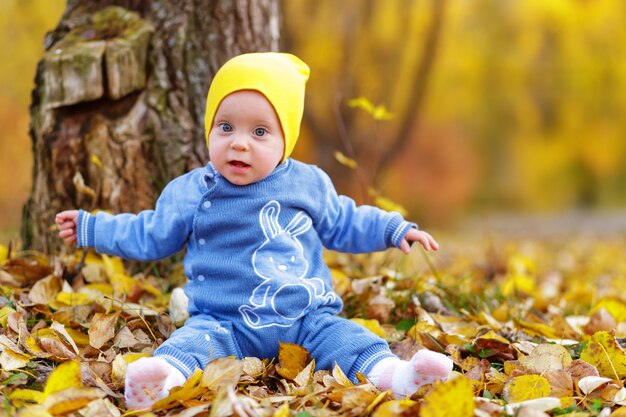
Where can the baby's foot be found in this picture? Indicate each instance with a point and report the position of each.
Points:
(148, 380)
(403, 378)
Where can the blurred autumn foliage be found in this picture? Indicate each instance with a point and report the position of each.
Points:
(521, 110)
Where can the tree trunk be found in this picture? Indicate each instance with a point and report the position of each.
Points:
(118, 106)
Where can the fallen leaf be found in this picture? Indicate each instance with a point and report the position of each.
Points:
(66, 375)
(606, 355)
(303, 378)
(23, 397)
(45, 290)
(600, 320)
(591, 383)
(222, 372)
(397, 408)
(71, 399)
(102, 329)
(526, 387)
(372, 325)
(538, 404)
(452, 398)
(561, 383)
(547, 357)
(292, 360)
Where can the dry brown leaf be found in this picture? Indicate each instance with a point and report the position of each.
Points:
(547, 357)
(304, 377)
(102, 329)
(492, 345)
(221, 372)
(45, 290)
(600, 320)
(579, 369)
(561, 383)
(53, 345)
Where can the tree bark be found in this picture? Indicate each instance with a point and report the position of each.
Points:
(118, 107)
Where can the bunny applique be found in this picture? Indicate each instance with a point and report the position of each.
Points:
(285, 295)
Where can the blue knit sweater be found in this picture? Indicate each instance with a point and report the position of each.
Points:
(254, 252)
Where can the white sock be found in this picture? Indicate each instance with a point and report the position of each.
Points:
(148, 380)
(403, 378)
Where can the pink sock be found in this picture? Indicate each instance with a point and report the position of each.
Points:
(403, 378)
(148, 380)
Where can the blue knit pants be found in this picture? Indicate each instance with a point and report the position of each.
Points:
(330, 339)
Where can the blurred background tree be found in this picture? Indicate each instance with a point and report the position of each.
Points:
(522, 110)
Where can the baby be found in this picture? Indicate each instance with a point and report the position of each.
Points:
(255, 223)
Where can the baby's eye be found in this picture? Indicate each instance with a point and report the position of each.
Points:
(260, 131)
(225, 127)
(293, 259)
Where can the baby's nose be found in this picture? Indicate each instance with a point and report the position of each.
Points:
(282, 267)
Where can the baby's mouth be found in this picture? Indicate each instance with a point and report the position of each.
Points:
(238, 164)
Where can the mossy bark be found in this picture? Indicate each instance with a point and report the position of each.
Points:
(117, 110)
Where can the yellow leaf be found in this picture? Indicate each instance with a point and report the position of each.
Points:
(372, 325)
(74, 299)
(80, 338)
(5, 312)
(122, 283)
(95, 160)
(395, 408)
(66, 375)
(361, 103)
(132, 357)
(452, 398)
(377, 112)
(71, 399)
(26, 396)
(4, 254)
(386, 204)
(344, 160)
(606, 355)
(341, 377)
(113, 265)
(539, 329)
(341, 282)
(221, 372)
(283, 411)
(517, 283)
(615, 306)
(292, 360)
(526, 387)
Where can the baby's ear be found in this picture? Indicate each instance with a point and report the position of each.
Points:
(299, 224)
(269, 219)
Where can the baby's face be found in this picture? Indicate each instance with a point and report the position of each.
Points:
(246, 140)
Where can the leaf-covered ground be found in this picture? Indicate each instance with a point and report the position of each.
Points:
(534, 328)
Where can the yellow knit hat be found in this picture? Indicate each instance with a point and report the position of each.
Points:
(280, 77)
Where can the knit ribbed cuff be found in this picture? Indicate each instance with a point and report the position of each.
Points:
(396, 230)
(85, 230)
(181, 361)
(370, 357)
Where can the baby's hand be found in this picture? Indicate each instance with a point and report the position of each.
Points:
(414, 235)
(66, 220)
